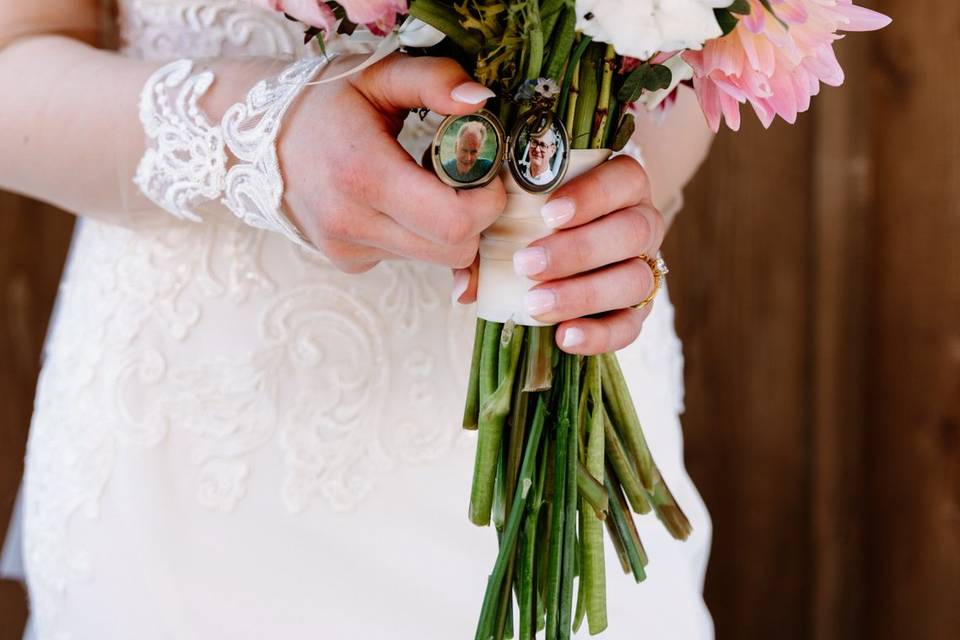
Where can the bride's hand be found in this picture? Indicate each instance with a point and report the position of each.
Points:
(353, 190)
(589, 267)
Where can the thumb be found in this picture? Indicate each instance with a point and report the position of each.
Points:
(400, 83)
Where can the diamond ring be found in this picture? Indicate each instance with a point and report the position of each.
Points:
(659, 268)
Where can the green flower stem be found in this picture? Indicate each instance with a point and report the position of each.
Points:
(489, 353)
(561, 42)
(504, 365)
(539, 366)
(571, 82)
(471, 412)
(446, 19)
(602, 113)
(620, 517)
(592, 491)
(626, 474)
(593, 573)
(558, 504)
(581, 609)
(534, 48)
(527, 597)
(669, 511)
(511, 531)
(494, 410)
(570, 497)
(617, 543)
(624, 417)
(587, 101)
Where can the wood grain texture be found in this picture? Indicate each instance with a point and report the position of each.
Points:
(913, 453)
(740, 261)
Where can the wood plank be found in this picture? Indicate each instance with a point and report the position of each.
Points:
(740, 273)
(843, 217)
(913, 451)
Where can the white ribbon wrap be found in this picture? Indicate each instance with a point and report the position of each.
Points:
(501, 290)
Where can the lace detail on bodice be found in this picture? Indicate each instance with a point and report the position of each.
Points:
(169, 29)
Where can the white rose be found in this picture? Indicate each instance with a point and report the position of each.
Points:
(641, 28)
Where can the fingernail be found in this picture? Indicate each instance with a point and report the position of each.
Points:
(530, 261)
(558, 211)
(573, 337)
(539, 301)
(471, 93)
(461, 278)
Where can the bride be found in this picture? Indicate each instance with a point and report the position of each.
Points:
(247, 422)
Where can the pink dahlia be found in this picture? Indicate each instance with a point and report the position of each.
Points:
(775, 68)
(380, 16)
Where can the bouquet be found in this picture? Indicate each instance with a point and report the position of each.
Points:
(561, 457)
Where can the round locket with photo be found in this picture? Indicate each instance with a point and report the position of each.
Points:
(468, 150)
(539, 151)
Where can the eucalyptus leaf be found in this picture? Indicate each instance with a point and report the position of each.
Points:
(726, 20)
(651, 77)
(624, 131)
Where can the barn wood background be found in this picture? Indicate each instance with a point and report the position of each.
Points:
(816, 274)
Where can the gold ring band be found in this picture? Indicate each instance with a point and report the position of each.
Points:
(659, 269)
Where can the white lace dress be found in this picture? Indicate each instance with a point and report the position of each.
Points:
(234, 440)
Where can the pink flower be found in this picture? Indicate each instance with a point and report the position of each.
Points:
(380, 16)
(775, 69)
(310, 12)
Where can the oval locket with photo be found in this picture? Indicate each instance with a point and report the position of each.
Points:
(469, 150)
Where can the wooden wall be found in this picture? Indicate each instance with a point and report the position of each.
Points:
(816, 274)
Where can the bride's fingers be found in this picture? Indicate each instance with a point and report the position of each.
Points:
(615, 287)
(386, 234)
(415, 198)
(609, 332)
(621, 235)
(465, 283)
(399, 82)
(350, 257)
(614, 185)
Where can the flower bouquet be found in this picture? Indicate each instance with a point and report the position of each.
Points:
(561, 456)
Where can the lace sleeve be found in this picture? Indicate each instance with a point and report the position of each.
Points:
(191, 161)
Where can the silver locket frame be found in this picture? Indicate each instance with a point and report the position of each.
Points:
(542, 119)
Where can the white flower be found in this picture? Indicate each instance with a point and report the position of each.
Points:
(641, 28)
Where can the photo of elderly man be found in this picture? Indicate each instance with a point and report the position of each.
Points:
(467, 165)
(540, 153)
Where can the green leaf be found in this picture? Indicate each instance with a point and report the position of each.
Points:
(740, 7)
(624, 131)
(726, 20)
(651, 77)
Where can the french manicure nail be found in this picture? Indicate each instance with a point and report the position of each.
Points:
(461, 278)
(471, 93)
(530, 261)
(558, 211)
(539, 301)
(573, 337)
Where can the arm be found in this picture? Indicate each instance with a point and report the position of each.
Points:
(673, 150)
(71, 135)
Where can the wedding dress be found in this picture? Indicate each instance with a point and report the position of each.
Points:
(232, 439)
